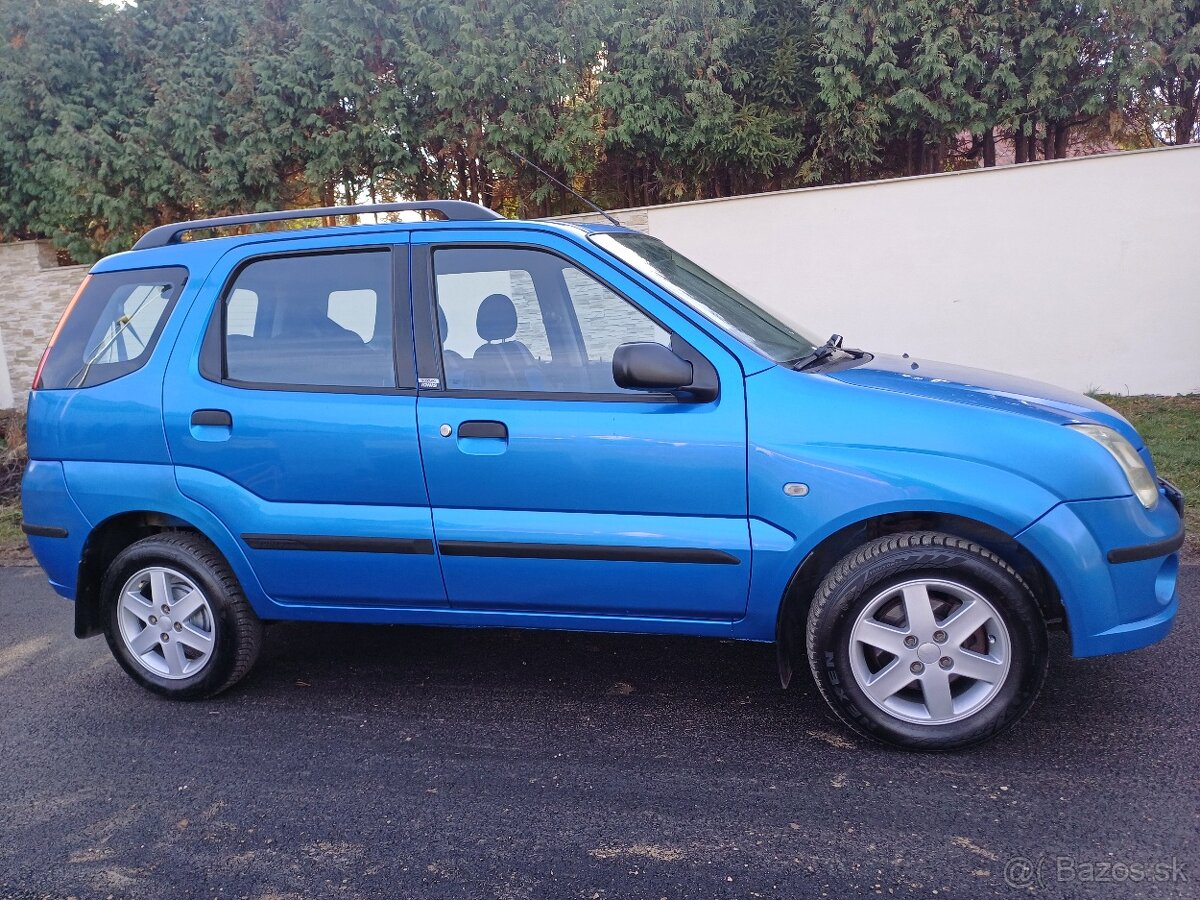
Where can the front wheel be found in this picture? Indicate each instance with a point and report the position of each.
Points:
(926, 641)
(176, 618)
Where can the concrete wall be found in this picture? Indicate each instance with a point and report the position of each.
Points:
(1081, 272)
(34, 291)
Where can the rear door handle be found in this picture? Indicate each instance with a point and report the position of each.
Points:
(483, 429)
(212, 417)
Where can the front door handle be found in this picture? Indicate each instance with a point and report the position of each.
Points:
(212, 417)
(478, 428)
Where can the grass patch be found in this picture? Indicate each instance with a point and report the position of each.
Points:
(10, 525)
(1171, 427)
(12, 464)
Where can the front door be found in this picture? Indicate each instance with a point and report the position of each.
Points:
(293, 419)
(553, 490)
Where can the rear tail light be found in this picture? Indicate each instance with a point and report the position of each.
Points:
(37, 378)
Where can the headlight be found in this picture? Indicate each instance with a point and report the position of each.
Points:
(1127, 458)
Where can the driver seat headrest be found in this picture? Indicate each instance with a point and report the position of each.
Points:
(496, 319)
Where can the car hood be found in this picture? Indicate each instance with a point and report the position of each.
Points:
(982, 388)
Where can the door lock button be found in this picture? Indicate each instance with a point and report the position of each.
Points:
(445, 431)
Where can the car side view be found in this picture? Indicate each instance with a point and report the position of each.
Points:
(471, 421)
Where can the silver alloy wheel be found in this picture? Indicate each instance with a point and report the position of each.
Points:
(166, 622)
(930, 651)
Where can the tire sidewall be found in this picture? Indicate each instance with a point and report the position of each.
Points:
(158, 552)
(829, 645)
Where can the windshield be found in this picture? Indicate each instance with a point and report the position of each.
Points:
(708, 295)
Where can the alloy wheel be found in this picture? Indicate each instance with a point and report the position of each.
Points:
(166, 622)
(930, 651)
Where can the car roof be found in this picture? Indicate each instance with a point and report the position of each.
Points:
(171, 249)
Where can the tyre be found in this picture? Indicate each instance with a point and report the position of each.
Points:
(926, 641)
(176, 618)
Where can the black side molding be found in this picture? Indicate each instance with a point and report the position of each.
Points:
(510, 550)
(342, 543)
(43, 530)
(1147, 551)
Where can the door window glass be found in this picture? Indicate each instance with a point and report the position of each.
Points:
(320, 319)
(523, 320)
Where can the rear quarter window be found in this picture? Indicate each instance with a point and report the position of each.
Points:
(110, 328)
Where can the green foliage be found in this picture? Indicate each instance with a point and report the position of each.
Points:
(114, 118)
(1170, 68)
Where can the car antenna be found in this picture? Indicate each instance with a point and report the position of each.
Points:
(566, 188)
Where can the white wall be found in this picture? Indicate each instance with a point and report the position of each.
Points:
(1081, 272)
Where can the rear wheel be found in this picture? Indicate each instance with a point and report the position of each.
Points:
(926, 641)
(176, 619)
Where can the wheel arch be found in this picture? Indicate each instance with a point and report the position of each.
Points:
(103, 543)
(808, 575)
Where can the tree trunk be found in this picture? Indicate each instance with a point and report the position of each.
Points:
(329, 198)
(488, 197)
(1062, 136)
(1185, 124)
(1020, 147)
(460, 161)
(989, 148)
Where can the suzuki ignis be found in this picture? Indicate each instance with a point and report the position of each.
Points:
(481, 422)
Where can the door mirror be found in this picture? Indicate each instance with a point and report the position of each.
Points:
(646, 366)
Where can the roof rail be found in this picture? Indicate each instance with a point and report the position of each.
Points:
(453, 210)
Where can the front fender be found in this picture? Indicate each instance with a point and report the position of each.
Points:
(849, 485)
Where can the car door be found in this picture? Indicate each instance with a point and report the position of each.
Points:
(290, 410)
(552, 489)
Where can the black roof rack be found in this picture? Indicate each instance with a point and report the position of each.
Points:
(453, 210)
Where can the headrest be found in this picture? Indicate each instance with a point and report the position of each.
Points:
(443, 325)
(497, 318)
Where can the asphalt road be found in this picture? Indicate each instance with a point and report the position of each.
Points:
(426, 763)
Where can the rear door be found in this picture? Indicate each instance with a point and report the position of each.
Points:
(552, 489)
(291, 414)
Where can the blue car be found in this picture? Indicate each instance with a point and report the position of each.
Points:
(470, 421)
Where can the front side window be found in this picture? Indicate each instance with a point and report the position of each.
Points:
(111, 327)
(523, 320)
(313, 320)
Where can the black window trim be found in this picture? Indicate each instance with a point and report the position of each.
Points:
(429, 341)
(213, 362)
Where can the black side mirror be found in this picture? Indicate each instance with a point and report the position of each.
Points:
(646, 366)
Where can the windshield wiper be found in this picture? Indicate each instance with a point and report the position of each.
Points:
(826, 350)
(124, 321)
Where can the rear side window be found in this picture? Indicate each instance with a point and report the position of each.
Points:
(321, 319)
(111, 327)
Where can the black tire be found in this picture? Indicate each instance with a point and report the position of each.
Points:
(888, 562)
(235, 628)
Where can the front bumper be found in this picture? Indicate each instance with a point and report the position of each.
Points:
(1116, 565)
